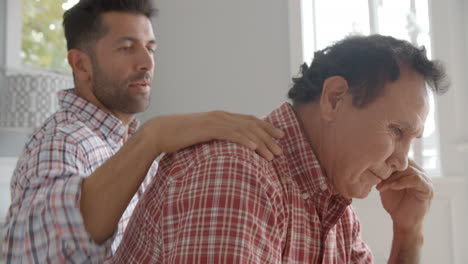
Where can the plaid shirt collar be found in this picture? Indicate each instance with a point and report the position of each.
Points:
(301, 160)
(106, 124)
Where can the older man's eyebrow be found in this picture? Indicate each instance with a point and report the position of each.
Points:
(411, 129)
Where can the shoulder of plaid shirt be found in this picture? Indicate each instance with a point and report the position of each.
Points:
(45, 223)
(219, 203)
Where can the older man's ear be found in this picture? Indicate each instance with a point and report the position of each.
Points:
(333, 92)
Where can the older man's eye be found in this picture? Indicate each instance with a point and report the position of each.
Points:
(397, 131)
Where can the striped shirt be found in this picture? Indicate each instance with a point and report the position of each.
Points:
(44, 222)
(219, 202)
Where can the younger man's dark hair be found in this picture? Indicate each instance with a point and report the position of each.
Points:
(82, 23)
(367, 63)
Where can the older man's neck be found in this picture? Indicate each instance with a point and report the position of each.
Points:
(311, 124)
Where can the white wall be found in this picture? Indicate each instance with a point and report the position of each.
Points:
(221, 54)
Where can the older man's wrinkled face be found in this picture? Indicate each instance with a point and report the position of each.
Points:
(371, 143)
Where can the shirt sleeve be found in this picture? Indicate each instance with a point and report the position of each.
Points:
(221, 210)
(44, 223)
(360, 252)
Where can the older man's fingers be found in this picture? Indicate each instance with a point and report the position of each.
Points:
(419, 185)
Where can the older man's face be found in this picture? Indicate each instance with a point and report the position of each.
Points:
(369, 144)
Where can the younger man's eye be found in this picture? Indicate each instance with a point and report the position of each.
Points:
(125, 48)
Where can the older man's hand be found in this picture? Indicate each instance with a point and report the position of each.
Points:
(407, 196)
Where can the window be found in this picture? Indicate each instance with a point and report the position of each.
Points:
(42, 41)
(35, 66)
(327, 21)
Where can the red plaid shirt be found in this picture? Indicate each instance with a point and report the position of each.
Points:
(44, 223)
(222, 203)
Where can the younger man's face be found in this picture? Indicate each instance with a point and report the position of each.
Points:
(123, 63)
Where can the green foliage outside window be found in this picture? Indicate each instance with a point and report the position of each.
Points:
(43, 41)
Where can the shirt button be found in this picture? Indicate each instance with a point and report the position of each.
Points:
(115, 138)
(323, 186)
(305, 196)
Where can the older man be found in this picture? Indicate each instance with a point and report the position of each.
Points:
(355, 112)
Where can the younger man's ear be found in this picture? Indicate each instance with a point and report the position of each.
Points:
(80, 63)
(333, 92)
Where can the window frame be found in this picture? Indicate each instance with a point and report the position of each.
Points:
(12, 26)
